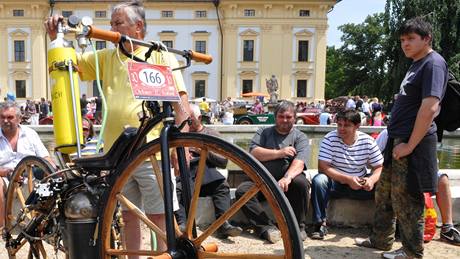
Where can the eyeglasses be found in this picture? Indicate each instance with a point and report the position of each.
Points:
(11, 117)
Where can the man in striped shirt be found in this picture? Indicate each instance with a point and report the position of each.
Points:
(344, 156)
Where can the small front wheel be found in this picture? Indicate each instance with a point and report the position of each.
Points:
(29, 229)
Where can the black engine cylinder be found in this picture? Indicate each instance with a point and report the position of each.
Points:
(81, 219)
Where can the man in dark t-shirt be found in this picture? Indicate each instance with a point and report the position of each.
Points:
(283, 150)
(410, 166)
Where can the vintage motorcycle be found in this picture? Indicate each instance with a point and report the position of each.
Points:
(77, 208)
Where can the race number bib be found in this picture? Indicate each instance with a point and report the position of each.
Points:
(152, 82)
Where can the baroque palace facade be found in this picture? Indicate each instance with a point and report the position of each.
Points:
(250, 40)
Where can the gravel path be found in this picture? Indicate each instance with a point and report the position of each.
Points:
(338, 244)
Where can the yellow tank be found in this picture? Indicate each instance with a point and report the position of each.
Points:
(61, 96)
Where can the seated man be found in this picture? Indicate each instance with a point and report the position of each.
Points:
(16, 142)
(214, 183)
(449, 233)
(343, 158)
(283, 150)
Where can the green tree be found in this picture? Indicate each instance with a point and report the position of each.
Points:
(444, 15)
(358, 66)
(334, 72)
(371, 61)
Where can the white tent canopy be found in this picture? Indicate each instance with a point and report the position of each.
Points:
(199, 99)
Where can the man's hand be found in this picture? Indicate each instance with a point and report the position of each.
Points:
(175, 160)
(355, 183)
(284, 183)
(51, 25)
(368, 184)
(287, 152)
(401, 150)
(5, 172)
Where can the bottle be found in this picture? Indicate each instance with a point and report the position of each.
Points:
(60, 54)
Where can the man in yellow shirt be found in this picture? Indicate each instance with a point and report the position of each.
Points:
(204, 106)
(128, 18)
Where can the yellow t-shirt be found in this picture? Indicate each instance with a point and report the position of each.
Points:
(204, 106)
(121, 105)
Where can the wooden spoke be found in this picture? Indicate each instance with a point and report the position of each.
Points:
(21, 198)
(30, 178)
(233, 209)
(41, 248)
(158, 174)
(22, 201)
(196, 193)
(158, 231)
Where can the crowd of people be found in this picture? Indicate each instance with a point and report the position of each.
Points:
(37, 112)
(351, 164)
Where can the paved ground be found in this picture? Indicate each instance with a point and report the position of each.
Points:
(338, 244)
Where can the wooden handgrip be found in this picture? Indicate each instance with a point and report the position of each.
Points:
(200, 57)
(104, 34)
(211, 247)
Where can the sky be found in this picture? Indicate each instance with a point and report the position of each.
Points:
(350, 11)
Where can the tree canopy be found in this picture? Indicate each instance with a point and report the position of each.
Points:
(371, 62)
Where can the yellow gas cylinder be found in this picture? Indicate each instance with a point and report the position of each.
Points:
(61, 95)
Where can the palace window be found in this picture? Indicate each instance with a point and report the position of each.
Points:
(304, 13)
(302, 88)
(166, 14)
(18, 12)
(201, 14)
(200, 88)
(247, 86)
(168, 43)
(20, 88)
(19, 51)
(100, 14)
(200, 46)
(303, 51)
(249, 12)
(248, 50)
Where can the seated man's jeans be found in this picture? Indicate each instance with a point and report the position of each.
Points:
(323, 188)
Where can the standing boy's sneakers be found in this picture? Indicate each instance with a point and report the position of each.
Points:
(452, 236)
(397, 254)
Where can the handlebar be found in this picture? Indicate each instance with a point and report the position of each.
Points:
(101, 34)
(116, 37)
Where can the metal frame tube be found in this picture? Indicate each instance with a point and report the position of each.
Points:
(167, 181)
(74, 108)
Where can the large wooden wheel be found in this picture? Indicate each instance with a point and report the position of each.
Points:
(27, 227)
(203, 245)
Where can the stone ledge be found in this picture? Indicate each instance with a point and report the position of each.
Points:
(343, 212)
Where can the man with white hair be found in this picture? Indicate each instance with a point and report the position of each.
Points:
(142, 189)
(214, 183)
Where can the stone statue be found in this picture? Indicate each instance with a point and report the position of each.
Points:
(272, 87)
